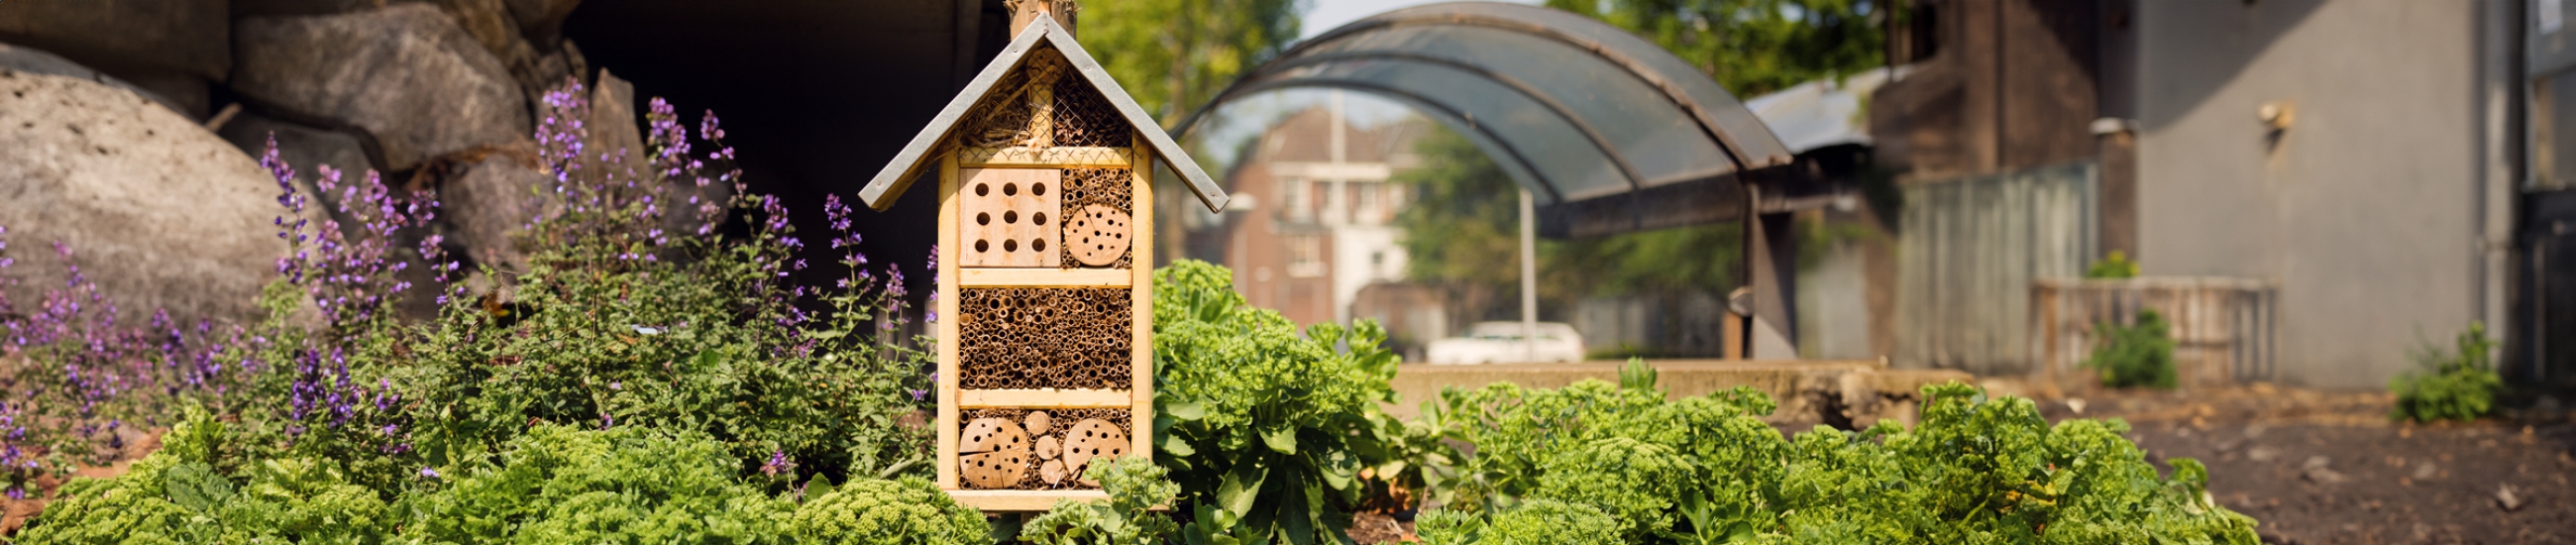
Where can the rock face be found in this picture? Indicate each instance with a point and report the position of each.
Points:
(160, 212)
(406, 75)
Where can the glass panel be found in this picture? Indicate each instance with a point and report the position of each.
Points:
(1652, 132)
(1560, 154)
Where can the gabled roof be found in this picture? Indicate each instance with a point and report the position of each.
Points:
(898, 174)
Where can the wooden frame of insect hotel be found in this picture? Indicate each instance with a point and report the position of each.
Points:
(1046, 241)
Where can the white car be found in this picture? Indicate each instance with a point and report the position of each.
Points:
(1502, 342)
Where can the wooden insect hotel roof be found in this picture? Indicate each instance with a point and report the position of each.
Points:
(1004, 79)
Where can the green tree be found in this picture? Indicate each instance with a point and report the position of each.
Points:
(1173, 55)
(1754, 46)
(1462, 235)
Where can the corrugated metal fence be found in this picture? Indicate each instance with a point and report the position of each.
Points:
(2222, 327)
(1967, 253)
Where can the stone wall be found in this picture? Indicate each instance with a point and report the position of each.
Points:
(135, 124)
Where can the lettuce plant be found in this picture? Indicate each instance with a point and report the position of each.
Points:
(1266, 424)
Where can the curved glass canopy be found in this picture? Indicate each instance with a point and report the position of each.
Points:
(1608, 132)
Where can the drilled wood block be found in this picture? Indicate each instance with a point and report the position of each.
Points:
(1089, 439)
(1109, 188)
(1049, 461)
(994, 453)
(1010, 217)
(1098, 235)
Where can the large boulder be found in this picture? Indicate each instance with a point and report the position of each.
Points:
(173, 47)
(406, 75)
(486, 201)
(307, 149)
(188, 36)
(30, 60)
(161, 213)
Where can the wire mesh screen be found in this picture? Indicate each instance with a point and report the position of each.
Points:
(1083, 117)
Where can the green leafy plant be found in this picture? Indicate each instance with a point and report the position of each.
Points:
(561, 484)
(2139, 355)
(177, 495)
(1537, 522)
(2116, 265)
(2456, 385)
(1135, 486)
(906, 511)
(1707, 470)
(1258, 420)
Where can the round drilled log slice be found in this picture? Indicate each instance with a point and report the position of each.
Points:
(1038, 423)
(994, 453)
(1098, 236)
(1088, 439)
(1049, 448)
(1053, 472)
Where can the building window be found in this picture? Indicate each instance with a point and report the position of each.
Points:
(1293, 193)
(1370, 208)
(1305, 256)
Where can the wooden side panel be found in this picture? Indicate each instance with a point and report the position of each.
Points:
(948, 316)
(1047, 278)
(1045, 399)
(1142, 206)
(1022, 500)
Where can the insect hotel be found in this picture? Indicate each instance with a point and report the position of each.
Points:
(1046, 224)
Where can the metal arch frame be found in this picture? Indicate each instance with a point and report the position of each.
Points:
(1672, 91)
(1635, 67)
(1636, 180)
(1441, 112)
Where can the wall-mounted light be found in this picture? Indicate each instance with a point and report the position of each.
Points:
(2278, 114)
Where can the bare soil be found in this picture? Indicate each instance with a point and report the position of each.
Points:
(2323, 467)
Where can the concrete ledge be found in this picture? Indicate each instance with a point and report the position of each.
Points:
(1842, 393)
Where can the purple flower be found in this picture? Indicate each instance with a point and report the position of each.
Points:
(430, 473)
(778, 463)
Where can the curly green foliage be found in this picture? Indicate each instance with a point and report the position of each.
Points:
(559, 484)
(1517, 431)
(1535, 522)
(906, 511)
(711, 346)
(2451, 386)
(1267, 424)
(2135, 355)
(1135, 486)
(1706, 470)
(176, 496)
(1636, 482)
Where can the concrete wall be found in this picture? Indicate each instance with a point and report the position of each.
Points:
(2361, 210)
